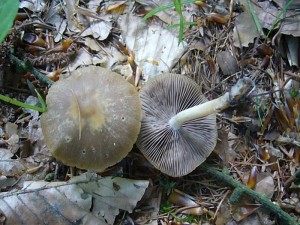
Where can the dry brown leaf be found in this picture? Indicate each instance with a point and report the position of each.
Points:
(244, 31)
(6, 182)
(188, 203)
(252, 179)
(70, 11)
(266, 13)
(265, 186)
(86, 199)
(240, 212)
(222, 148)
(227, 62)
(12, 167)
(181, 199)
(224, 214)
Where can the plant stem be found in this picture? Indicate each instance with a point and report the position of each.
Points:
(284, 217)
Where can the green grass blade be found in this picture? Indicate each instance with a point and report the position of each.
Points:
(256, 21)
(157, 10)
(21, 104)
(278, 16)
(8, 11)
(41, 100)
(164, 7)
(178, 5)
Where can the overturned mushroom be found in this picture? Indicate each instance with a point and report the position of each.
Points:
(92, 118)
(178, 129)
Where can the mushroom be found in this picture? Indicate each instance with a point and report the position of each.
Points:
(93, 118)
(178, 130)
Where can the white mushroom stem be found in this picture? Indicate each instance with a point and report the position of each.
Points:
(242, 88)
(199, 111)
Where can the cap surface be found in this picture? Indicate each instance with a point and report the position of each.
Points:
(174, 152)
(92, 118)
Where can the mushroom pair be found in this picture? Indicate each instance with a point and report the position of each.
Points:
(93, 118)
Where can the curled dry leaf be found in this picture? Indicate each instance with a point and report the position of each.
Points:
(86, 199)
(252, 177)
(186, 201)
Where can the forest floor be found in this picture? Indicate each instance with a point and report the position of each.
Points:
(258, 138)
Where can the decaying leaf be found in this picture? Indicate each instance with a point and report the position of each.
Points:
(252, 179)
(84, 58)
(265, 186)
(267, 13)
(99, 30)
(244, 31)
(70, 10)
(5, 154)
(33, 5)
(6, 182)
(12, 167)
(240, 212)
(222, 147)
(85, 199)
(156, 49)
(187, 202)
(227, 62)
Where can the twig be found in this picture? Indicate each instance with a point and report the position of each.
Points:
(242, 189)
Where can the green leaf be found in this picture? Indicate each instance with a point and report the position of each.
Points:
(8, 11)
(22, 104)
(256, 21)
(41, 100)
(178, 4)
(278, 16)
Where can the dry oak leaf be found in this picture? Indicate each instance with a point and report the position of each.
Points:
(85, 199)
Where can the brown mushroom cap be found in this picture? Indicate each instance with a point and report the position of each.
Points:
(174, 152)
(92, 118)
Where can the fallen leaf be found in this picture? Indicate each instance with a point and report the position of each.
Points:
(6, 182)
(151, 43)
(227, 62)
(12, 167)
(240, 212)
(33, 5)
(85, 199)
(266, 186)
(99, 30)
(244, 31)
(5, 154)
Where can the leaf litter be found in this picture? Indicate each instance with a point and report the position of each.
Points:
(262, 133)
